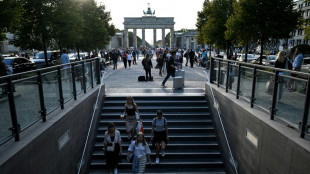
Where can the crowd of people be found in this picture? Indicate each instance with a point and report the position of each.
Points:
(138, 151)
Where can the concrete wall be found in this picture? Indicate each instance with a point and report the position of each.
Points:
(39, 150)
(279, 149)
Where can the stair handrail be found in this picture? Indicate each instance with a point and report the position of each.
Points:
(91, 122)
(215, 104)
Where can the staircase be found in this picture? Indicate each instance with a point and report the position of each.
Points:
(192, 148)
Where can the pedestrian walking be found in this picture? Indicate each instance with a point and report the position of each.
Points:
(115, 56)
(65, 59)
(112, 148)
(141, 151)
(159, 134)
(129, 58)
(191, 57)
(130, 111)
(281, 62)
(160, 63)
(297, 62)
(171, 67)
(134, 62)
(125, 59)
(147, 65)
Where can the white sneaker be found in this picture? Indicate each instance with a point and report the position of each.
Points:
(157, 160)
(163, 154)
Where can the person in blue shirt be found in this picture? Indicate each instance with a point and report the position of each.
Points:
(65, 59)
(297, 62)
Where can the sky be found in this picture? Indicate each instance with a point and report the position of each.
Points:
(184, 13)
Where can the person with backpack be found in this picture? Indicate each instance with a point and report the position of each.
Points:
(147, 65)
(141, 152)
(159, 134)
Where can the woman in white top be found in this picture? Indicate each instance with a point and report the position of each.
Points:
(112, 147)
(141, 151)
(129, 58)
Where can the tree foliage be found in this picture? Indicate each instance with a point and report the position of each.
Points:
(10, 15)
(80, 24)
(211, 22)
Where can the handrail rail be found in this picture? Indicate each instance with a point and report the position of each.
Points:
(303, 77)
(9, 89)
(262, 66)
(215, 104)
(90, 124)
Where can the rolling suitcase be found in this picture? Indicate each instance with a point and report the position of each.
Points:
(178, 82)
(180, 73)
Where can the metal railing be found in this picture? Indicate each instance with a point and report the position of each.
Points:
(267, 88)
(32, 95)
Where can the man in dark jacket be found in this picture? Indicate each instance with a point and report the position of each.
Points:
(171, 67)
(191, 57)
(147, 64)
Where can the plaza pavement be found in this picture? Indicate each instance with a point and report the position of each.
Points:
(125, 81)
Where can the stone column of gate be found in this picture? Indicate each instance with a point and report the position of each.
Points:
(154, 37)
(135, 38)
(163, 38)
(143, 37)
(187, 42)
(172, 38)
(126, 45)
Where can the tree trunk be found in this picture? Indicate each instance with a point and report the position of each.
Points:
(261, 52)
(246, 52)
(45, 53)
(78, 51)
(60, 46)
(210, 51)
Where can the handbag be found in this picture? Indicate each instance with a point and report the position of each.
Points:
(137, 116)
(269, 86)
(110, 148)
(156, 67)
(140, 127)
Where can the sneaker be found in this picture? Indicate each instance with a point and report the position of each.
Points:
(162, 85)
(163, 154)
(157, 160)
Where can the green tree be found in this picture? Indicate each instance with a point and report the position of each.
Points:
(96, 30)
(201, 21)
(211, 22)
(10, 15)
(35, 29)
(270, 20)
(67, 23)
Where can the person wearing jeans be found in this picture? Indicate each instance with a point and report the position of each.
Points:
(171, 67)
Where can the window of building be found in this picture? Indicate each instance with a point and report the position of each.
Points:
(298, 41)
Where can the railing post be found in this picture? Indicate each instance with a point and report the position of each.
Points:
(41, 95)
(306, 111)
(61, 97)
(227, 76)
(238, 82)
(98, 70)
(91, 74)
(211, 69)
(73, 81)
(253, 87)
(219, 74)
(15, 126)
(274, 95)
(84, 77)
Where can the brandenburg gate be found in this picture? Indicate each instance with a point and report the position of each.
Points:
(148, 21)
